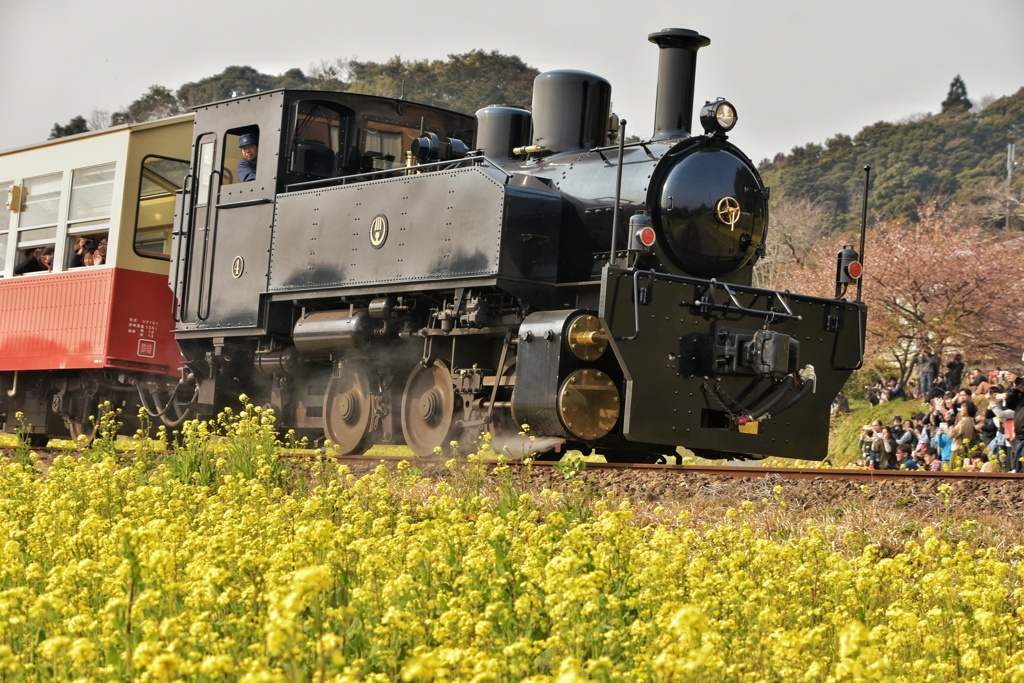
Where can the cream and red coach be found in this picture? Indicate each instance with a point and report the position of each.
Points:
(76, 335)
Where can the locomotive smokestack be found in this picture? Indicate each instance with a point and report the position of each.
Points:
(677, 66)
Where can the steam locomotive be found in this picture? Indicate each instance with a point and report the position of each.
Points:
(400, 273)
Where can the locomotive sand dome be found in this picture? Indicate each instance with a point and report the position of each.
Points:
(399, 273)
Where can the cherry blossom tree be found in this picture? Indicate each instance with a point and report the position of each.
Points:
(942, 281)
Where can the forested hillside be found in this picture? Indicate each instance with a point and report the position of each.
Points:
(959, 154)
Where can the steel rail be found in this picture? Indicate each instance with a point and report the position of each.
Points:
(725, 471)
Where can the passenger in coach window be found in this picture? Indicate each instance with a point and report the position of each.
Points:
(83, 246)
(249, 144)
(99, 257)
(40, 260)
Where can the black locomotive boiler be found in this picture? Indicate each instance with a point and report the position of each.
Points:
(399, 273)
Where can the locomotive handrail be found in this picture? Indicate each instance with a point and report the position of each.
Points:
(770, 316)
(183, 235)
(396, 171)
(207, 254)
(713, 284)
(244, 202)
(607, 148)
(618, 191)
(860, 341)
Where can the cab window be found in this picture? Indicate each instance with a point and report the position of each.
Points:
(232, 155)
(316, 140)
(385, 143)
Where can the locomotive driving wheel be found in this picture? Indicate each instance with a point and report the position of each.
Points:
(428, 407)
(349, 409)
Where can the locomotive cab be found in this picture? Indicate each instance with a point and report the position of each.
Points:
(304, 138)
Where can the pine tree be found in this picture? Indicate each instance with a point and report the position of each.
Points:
(956, 101)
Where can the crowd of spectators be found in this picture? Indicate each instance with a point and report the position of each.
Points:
(968, 423)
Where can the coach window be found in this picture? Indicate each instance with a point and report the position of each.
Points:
(37, 224)
(161, 178)
(6, 198)
(92, 192)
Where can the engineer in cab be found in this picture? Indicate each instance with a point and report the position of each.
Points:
(249, 146)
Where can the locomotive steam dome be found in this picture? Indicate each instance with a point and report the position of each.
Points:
(570, 110)
(711, 212)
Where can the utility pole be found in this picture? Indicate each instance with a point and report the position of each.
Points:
(1009, 182)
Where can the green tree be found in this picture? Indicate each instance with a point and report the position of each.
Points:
(157, 103)
(75, 125)
(464, 82)
(234, 81)
(292, 78)
(956, 100)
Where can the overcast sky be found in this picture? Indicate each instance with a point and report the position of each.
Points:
(798, 71)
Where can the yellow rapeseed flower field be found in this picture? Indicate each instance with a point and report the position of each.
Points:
(222, 564)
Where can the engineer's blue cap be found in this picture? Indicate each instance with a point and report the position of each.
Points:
(248, 139)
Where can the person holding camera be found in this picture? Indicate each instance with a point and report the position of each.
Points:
(944, 445)
(883, 450)
(877, 393)
(870, 435)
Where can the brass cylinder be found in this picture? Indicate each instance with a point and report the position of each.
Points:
(586, 338)
(589, 404)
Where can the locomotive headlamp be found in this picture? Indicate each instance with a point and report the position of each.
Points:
(718, 117)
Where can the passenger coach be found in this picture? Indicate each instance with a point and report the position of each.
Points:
(77, 329)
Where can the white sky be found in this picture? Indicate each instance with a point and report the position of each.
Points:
(798, 71)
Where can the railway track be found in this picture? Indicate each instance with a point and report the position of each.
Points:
(722, 471)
